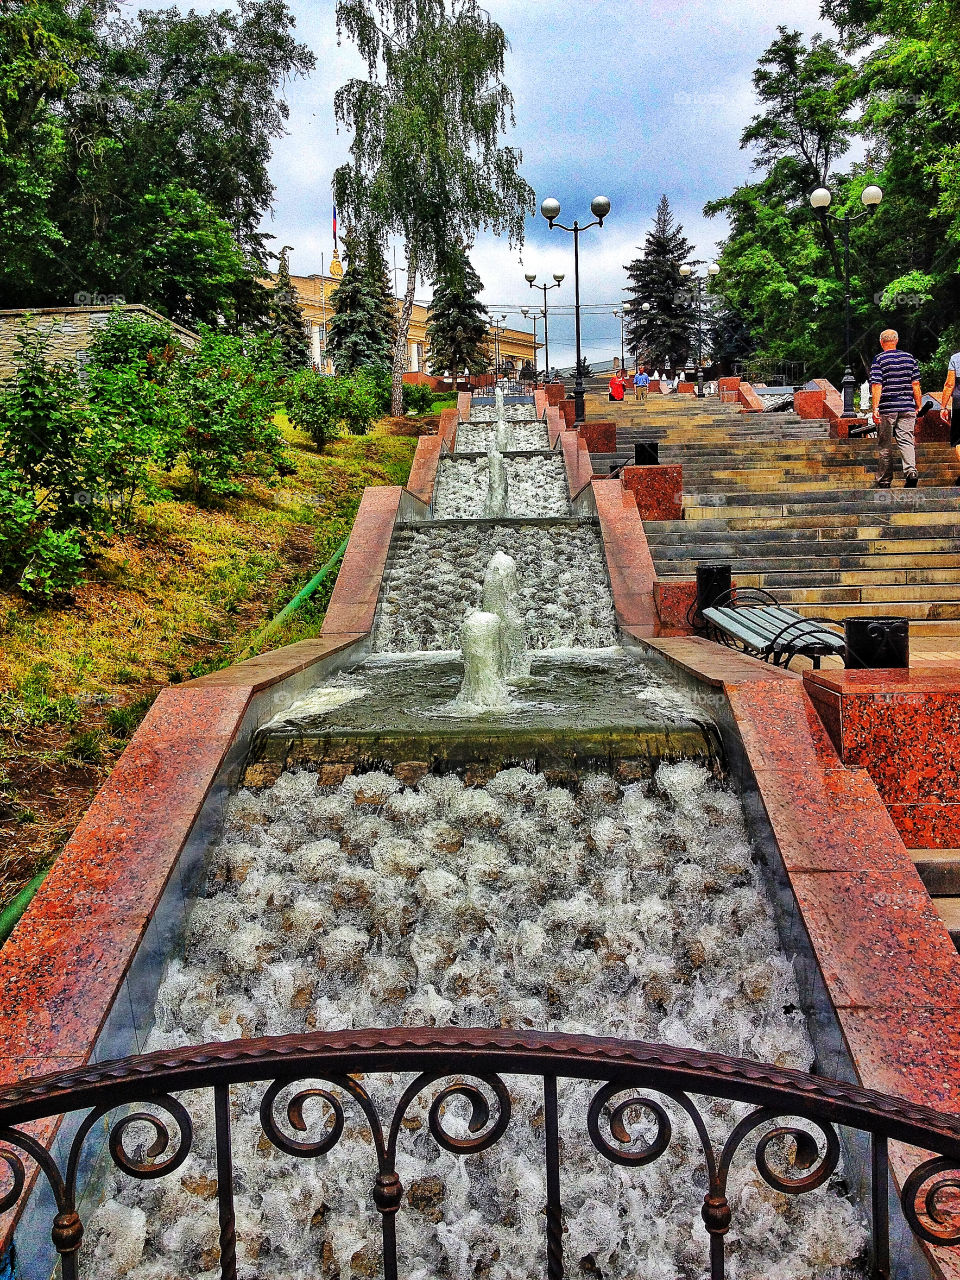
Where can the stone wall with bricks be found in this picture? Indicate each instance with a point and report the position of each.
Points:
(70, 331)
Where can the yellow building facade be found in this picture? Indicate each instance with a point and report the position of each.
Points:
(316, 292)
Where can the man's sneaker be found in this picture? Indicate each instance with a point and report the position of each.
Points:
(911, 481)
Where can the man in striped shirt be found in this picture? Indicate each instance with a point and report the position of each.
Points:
(896, 396)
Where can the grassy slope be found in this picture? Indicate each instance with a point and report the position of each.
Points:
(178, 594)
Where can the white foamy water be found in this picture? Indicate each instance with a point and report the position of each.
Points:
(535, 487)
(436, 579)
(633, 912)
(476, 436)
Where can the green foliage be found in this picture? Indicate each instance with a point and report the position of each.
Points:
(417, 398)
(134, 152)
(286, 320)
(661, 336)
(458, 320)
(360, 330)
(583, 367)
(122, 721)
(426, 160)
(894, 80)
(35, 702)
(85, 747)
(224, 399)
(326, 407)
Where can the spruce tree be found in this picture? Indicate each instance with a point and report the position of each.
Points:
(583, 368)
(381, 286)
(286, 319)
(458, 322)
(663, 335)
(356, 336)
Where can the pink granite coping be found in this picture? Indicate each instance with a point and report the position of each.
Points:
(353, 605)
(576, 461)
(887, 963)
(629, 562)
(423, 471)
(464, 400)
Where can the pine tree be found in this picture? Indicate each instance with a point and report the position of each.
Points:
(583, 368)
(356, 336)
(663, 335)
(458, 322)
(286, 319)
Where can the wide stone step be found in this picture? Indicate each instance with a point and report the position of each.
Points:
(939, 869)
(949, 911)
(834, 540)
(919, 578)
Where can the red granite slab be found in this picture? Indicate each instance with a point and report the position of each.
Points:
(354, 602)
(540, 402)
(270, 668)
(576, 462)
(780, 728)
(873, 932)
(674, 602)
(748, 399)
(568, 411)
(658, 491)
(717, 665)
(555, 392)
(464, 399)
(423, 471)
(809, 404)
(555, 425)
(629, 563)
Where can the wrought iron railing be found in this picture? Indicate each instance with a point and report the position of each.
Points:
(471, 1064)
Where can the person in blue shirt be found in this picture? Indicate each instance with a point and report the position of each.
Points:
(641, 382)
(896, 398)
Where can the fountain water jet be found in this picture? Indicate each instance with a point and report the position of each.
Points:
(497, 503)
(501, 596)
(484, 687)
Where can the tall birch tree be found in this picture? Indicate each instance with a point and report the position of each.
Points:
(427, 162)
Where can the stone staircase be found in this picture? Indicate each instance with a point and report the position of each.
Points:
(939, 869)
(795, 512)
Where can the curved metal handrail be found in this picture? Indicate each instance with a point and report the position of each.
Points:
(345, 1060)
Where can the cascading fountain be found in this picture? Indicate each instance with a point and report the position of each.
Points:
(484, 686)
(497, 503)
(501, 596)
(606, 907)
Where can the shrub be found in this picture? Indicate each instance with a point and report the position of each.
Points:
(309, 406)
(417, 398)
(224, 396)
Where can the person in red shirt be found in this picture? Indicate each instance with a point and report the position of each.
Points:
(616, 385)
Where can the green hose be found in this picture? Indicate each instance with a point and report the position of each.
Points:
(302, 595)
(11, 913)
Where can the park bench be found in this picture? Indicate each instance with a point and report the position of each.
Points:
(750, 619)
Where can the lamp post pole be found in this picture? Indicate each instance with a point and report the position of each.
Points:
(599, 207)
(820, 200)
(699, 283)
(531, 279)
(623, 358)
(527, 313)
(497, 329)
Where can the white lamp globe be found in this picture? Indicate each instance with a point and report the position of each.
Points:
(600, 207)
(530, 276)
(820, 199)
(871, 197)
(550, 208)
(559, 278)
(713, 269)
(686, 269)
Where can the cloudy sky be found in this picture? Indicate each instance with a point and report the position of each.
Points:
(626, 99)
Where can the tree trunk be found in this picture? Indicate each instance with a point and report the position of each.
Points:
(403, 331)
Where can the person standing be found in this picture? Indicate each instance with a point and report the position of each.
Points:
(641, 383)
(896, 397)
(616, 385)
(950, 403)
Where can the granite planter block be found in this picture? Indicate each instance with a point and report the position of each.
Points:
(658, 491)
(555, 393)
(600, 437)
(903, 727)
(932, 427)
(809, 404)
(686, 388)
(568, 411)
(576, 461)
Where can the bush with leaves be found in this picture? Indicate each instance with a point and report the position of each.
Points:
(417, 398)
(308, 404)
(48, 480)
(224, 395)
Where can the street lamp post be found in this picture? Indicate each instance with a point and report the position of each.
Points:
(820, 200)
(531, 279)
(699, 282)
(528, 313)
(497, 330)
(623, 359)
(599, 207)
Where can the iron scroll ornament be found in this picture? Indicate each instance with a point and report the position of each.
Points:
(478, 1059)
